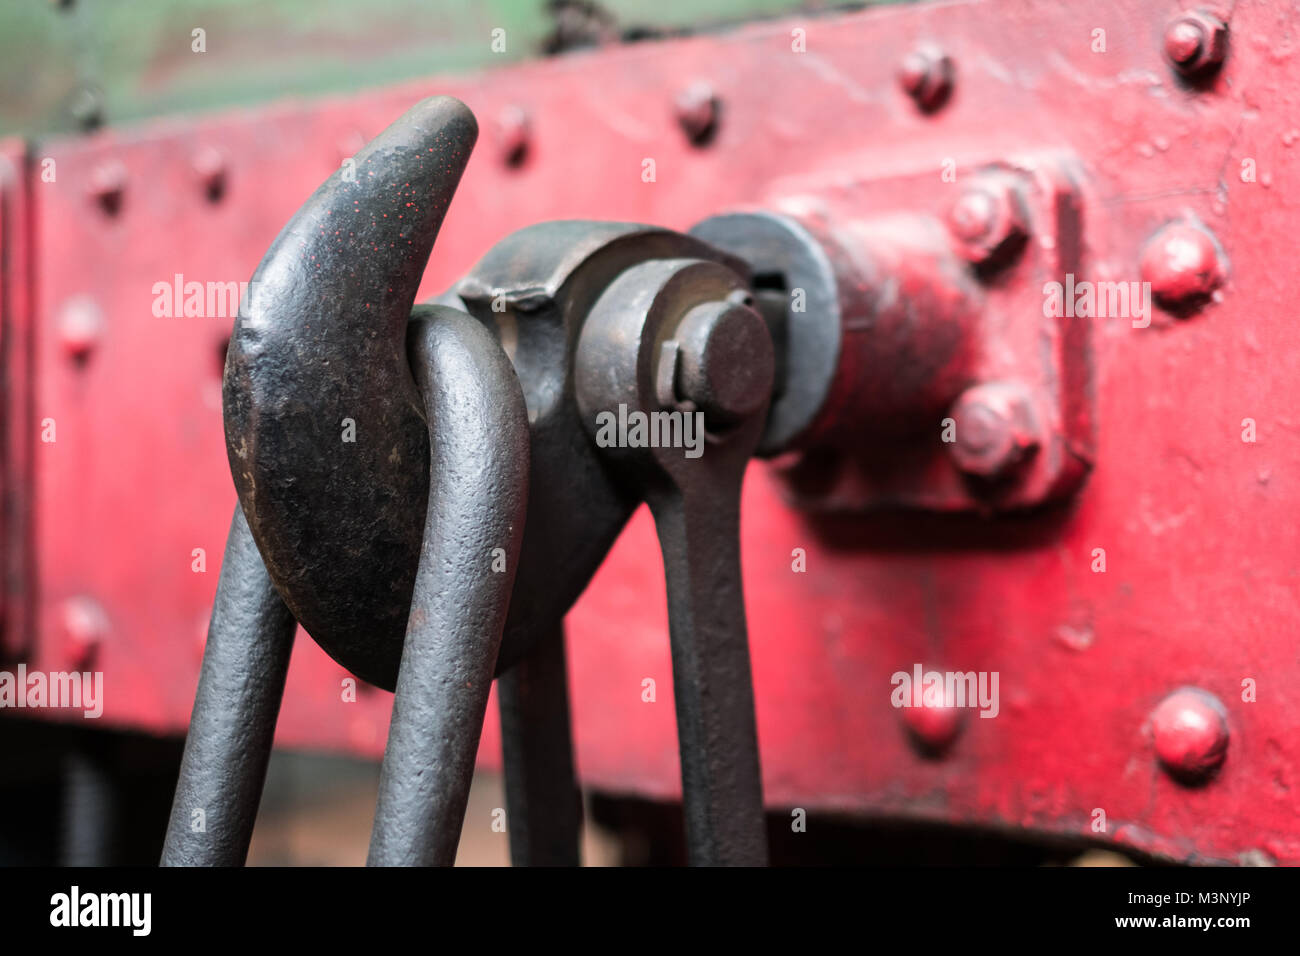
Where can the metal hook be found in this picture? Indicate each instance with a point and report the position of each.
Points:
(325, 429)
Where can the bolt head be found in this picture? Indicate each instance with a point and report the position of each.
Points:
(1183, 264)
(996, 430)
(926, 75)
(725, 361)
(1195, 41)
(1183, 41)
(988, 222)
(1190, 728)
(697, 108)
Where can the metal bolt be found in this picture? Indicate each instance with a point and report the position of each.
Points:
(81, 325)
(988, 222)
(996, 430)
(514, 135)
(926, 76)
(107, 184)
(1183, 265)
(1196, 41)
(724, 360)
(932, 726)
(1190, 727)
(210, 166)
(697, 108)
(85, 625)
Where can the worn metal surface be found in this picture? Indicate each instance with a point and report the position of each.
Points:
(326, 439)
(1196, 524)
(473, 526)
(901, 299)
(17, 289)
(534, 288)
(235, 711)
(543, 804)
(639, 323)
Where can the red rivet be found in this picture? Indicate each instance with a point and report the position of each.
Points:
(81, 325)
(933, 726)
(1190, 727)
(107, 184)
(514, 135)
(697, 108)
(85, 625)
(210, 167)
(926, 75)
(988, 222)
(1183, 264)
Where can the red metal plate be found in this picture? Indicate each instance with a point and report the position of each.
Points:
(1198, 526)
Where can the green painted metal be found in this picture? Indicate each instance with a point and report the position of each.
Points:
(129, 59)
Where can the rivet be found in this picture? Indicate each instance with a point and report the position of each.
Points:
(210, 167)
(697, 108)
(988, 222)
(85, 625)
(1184, 266)
(514, 135)
(1190, 728)
(81, 326)
(107, 185)
(932, 726)
(926, 75)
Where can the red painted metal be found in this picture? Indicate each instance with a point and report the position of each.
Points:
(1174, 565)
(912, 297)
(16, 305)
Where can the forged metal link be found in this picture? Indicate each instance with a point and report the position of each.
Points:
(643, 322)
(478, 493)
(543, 805)
(229, 744)
(438, 548)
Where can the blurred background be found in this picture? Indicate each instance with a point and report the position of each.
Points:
(170, 162)
(71, 64)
